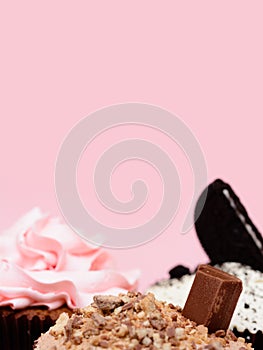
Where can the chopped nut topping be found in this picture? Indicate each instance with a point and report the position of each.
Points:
(134, 322)
(220, 333)
(98, 319)
(107, 303)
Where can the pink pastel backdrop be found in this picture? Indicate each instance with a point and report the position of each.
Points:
(62, 60)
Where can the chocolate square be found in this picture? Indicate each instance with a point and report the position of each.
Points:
(212, 298)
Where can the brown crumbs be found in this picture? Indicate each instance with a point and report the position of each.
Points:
(134, 321)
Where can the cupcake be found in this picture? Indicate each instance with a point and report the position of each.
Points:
(234, 244)
(133, 321)
(248, 314)
(46, 269)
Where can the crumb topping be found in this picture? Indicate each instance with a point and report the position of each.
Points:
(134, 321)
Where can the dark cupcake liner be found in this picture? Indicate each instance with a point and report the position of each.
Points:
(256, 339)
(20, 328)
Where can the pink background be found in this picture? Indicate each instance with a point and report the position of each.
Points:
(61, 60)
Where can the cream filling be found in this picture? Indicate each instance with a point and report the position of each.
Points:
(243, 220)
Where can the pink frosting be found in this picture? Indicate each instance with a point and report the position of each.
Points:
(43, 262)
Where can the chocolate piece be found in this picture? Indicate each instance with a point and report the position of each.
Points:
(212, 298)
(224, 228)
(107, 302)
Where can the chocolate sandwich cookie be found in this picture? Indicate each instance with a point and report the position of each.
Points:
(224, 228)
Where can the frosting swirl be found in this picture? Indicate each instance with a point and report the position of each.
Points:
(43, 262)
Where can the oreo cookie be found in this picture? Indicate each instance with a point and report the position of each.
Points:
(224, 228)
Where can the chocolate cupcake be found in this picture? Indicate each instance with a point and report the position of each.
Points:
(46, 269)
(233, 244)
(20, 328)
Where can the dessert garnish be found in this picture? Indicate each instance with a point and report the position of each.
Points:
(212, 298)
(224, 228)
